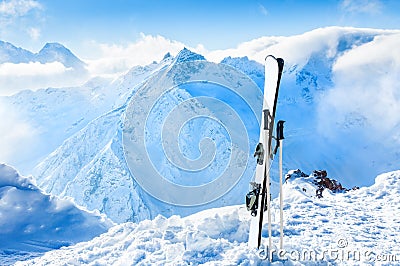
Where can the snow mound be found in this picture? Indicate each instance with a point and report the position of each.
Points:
(315, 185)
(215, 235)
(31, 221)
(10, 178)
(387, 183)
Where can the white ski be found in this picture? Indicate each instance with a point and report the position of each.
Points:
(261, 195)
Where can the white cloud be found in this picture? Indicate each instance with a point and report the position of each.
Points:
(367, 86)
(34, 33)
(18, 16)
(294, 49)
(366, 80)
(113, 60)
(116, 58)
(16, 8)
(362, 6)
(32, 69)
(35, 75)
(16, 135)
(263, 10)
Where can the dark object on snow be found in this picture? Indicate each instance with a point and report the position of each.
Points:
(305, 190)
(336, 186)
(319, 174)
(330, 184)
(297, 173)
(259, 153)
(252, 199)
(318, 192)
(322, 181)
(326, 183)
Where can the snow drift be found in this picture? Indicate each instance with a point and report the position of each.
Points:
(31, 220)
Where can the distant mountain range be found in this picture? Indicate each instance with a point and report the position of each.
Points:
(53, 66)
(77, 149)
(51, 52)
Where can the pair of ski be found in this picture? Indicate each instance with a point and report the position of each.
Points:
(261, 194)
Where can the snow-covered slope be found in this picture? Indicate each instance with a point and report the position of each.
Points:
(356, 227)
(89, 167)
(31, 221)
(49, 116)
(11, 54)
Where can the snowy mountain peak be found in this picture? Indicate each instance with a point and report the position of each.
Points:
(57, 52)
(167, 55)
(53, 46)
(251, 68)
(12, 54)
(186, 55)
(51, 52)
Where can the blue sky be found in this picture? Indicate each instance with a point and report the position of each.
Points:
(214, 24)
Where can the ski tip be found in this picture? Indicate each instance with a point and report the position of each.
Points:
(270, 55)
(280, 61)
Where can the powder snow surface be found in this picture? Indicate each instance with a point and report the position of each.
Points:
(357, 227)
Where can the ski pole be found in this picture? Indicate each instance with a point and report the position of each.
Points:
(280, 138)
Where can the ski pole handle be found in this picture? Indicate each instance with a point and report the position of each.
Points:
(279, 130)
